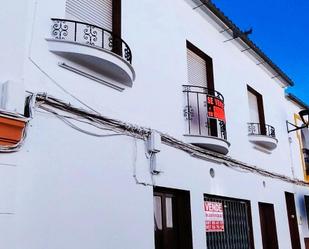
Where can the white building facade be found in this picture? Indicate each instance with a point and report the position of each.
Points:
(144, 124)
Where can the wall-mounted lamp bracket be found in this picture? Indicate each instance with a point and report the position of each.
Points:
(294, 127)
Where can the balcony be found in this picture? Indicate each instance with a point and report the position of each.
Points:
(262, 135)
(94, 48)
(205, 118)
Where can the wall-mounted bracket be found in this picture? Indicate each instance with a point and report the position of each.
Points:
(246, 49)
(294, 127)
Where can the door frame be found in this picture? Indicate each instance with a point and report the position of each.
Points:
(183, 214)
(265, 226)
(292, 220)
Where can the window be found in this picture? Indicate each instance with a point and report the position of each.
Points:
(172, 219)
(256, 110)
(200, 75)
(228, 223)
(103, 13)
(200, 68)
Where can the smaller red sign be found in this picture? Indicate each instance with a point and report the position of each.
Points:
(215, 108)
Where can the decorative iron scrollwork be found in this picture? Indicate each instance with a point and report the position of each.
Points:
(127, 54)
(251, 129)
(207, 108)
(90, 35)
(110, 42)
(222, 126)
(188, 112)
(187, 88)
(60, 29)
(259, 129)
(272, 132)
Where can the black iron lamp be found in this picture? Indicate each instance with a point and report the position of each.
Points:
(304, 115)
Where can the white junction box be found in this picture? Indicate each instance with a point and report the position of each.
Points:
(154, 142)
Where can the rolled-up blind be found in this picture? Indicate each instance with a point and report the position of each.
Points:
(97, 12)
(196, 69)
(253, 108)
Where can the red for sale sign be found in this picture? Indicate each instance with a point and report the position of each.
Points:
(214, 216)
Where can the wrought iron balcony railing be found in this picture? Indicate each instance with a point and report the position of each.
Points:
(259, 129)
(92, 35)
(204, 112)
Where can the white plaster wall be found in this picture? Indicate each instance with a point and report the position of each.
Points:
(13, 16)
(295, 140)
(80, 192)
(157, 36)
(73, 191)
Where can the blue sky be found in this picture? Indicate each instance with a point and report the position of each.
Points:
(281, 30)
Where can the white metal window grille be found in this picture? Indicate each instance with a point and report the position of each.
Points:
(96, 12)
(196, 69)
(237, 232)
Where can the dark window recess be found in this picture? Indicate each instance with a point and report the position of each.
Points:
(306, 160)
(172, 218)
(260, 105)
(292, 217)
(268, 226)
(117, 45)
(237, 225)
(306, 243)
(306, 199)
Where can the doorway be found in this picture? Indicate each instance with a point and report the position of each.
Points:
(268, 226)
(292, 217)
(172, 218)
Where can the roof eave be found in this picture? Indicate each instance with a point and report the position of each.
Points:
(223, 18)
(296, 100)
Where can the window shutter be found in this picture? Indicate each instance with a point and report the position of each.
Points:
(97, 12)
(196, 69)
(253, 108)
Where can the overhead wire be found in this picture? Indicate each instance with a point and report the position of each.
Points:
(143, 133)
(65, 119)
(50, 104)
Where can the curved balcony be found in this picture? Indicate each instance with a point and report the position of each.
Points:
(205, 118)
(93, 47)
(262, 135)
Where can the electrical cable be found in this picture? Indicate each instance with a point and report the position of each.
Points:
(143, 133)
(135, 153)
